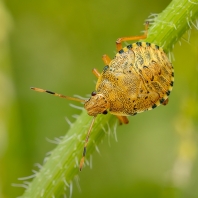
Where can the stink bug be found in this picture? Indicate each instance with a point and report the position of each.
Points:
(139, 78)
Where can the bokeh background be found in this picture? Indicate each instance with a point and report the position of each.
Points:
(54, 45)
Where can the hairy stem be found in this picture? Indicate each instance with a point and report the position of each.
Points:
(62, 166)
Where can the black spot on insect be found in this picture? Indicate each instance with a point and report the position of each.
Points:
(93, 93)
(173, 74)
(148, 44)
(134, 109)
(139, 43)
(105, 68)
(146, 97)
(162, 100)
(134, 114)
(152, 78)
(129, 46)
(171, 83)
(154, 106)
(129, 71)
(121, 51)
(168, 93)
(105, 112)
(156, 46)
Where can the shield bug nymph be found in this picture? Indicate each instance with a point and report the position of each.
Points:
(139, 78)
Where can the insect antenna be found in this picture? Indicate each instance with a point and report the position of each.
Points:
(56, 94)
(75, 99)
(86, 142)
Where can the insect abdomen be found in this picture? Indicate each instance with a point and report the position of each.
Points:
(143, 73)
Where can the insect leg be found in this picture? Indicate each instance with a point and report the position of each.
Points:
(123, 119)
(131, 38)
(96, 72)
(106, 59)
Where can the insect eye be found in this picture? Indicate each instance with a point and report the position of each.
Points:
(93, 93)
(105, 112)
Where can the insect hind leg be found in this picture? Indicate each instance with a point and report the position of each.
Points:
(131, 38)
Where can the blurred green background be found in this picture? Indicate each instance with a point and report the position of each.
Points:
(54, 45)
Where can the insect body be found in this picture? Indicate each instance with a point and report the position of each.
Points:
(139, 78)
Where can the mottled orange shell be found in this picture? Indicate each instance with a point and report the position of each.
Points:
(139, 78)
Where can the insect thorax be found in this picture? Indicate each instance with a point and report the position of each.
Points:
(139, 78)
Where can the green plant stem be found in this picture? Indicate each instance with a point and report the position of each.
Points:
(172, 23)
(55, 176)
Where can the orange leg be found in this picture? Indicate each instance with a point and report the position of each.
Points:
(122, 119)
(96, 72)
(106, 59)
(131, 38)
